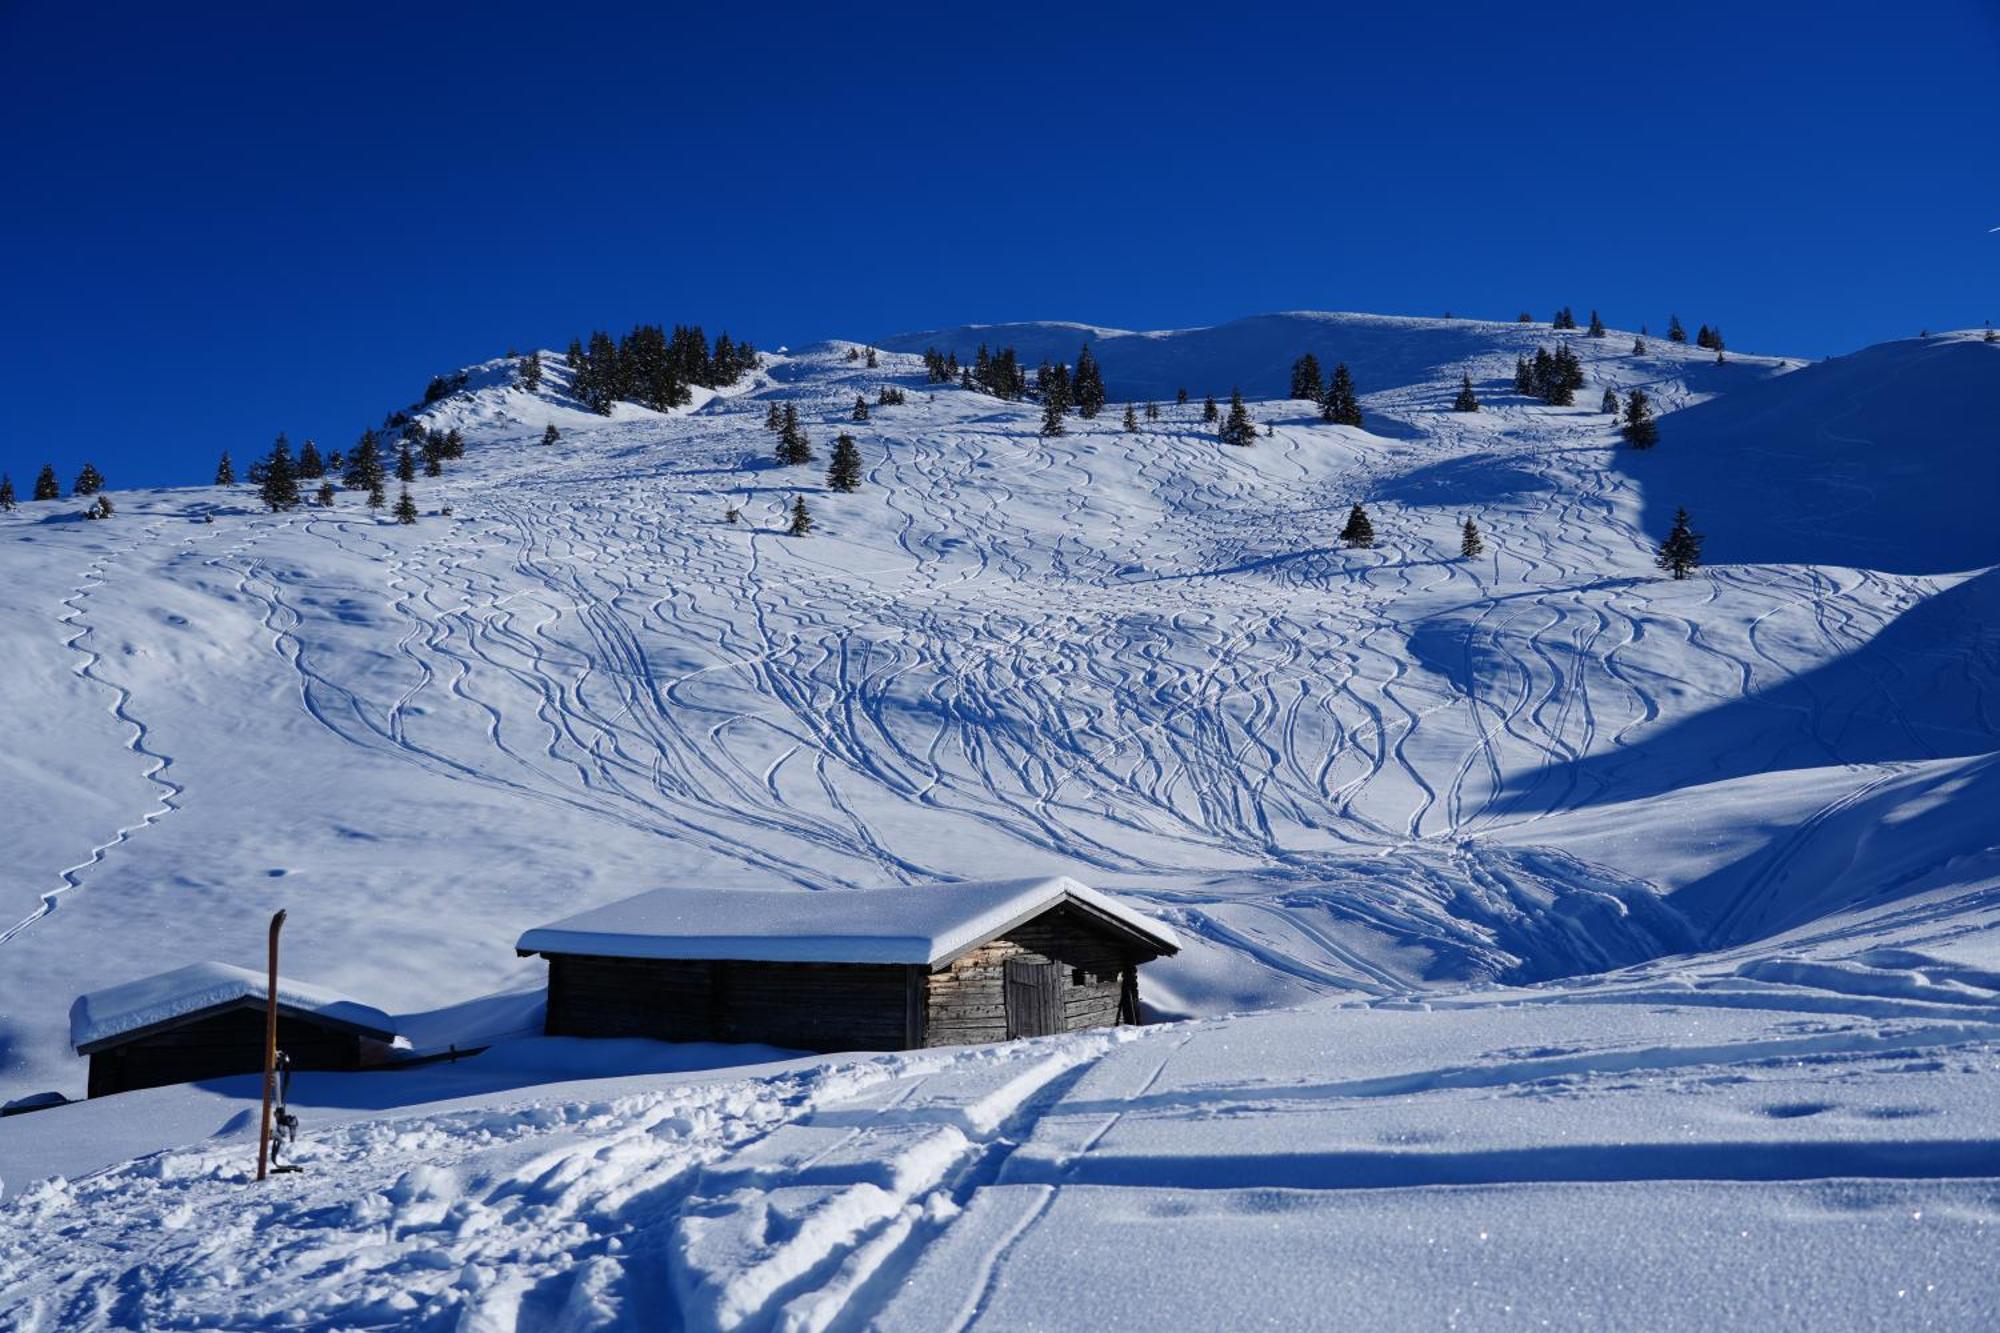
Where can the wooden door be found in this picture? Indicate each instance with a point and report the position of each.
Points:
(1034, 998)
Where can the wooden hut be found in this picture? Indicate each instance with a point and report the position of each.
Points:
(872, 969)
(206, 1020)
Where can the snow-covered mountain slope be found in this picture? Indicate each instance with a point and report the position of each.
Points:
(1753, 805)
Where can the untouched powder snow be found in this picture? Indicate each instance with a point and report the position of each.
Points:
(923, 923)
(1561, 945)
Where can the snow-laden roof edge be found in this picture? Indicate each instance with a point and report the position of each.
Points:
(926, 923)
(116, 1011)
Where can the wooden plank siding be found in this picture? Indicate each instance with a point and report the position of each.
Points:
(846, 1006)
(967, 999)
(217, 1045)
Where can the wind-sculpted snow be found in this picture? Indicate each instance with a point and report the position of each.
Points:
(1734, 833)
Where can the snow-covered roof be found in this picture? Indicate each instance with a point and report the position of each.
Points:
(924, 923)
(150, 1002)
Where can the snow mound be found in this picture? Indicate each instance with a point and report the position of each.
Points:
(927, 923)
(101, 1015)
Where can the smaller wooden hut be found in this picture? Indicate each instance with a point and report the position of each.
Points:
(206, 1020)
(871, 969)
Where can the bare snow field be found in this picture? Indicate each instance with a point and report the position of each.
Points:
(1564, 946)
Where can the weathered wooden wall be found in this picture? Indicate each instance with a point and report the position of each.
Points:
(966, 1001)
(230, 1042)
(809, 1006)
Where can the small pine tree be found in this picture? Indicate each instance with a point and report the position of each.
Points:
(376, 498)
(1359, 532)
(1524, 318)
(860, 408)
(1680, 553)
(46, 485)
(1086, 388)
(1131, 419)
(1341, 406)
(1991, 335)
(1152, 411)
(6, 493)
(406, 508)
(1238, 428)
(871, 363)
(225, 471)
(1596, 326)
(774, 420)
(364, 465)
(794, 447)
(1307, 382)
(802, 519)
(1675, 333)
(311, 465)
(1470, 544)
(1182, 396)
(278, 486)
(433, 463)
(550, 434)
(1610, 404)
(1053, 408)
(89, 481)
(844, 474)
(1524, 376)
(1209, 411)
(1638, 347)
(406, 464)
(326, 494)
(531, 371)
(1641, 431)
(1467, 400)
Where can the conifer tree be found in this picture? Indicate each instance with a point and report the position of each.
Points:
(1991, 336)
(871, 363)
(1307, 382)
(550, 434)
(1596, 325)
(6, 493)
(406, 464)
(531, 371)
(1680, 553)
(406, 508)
(225, 471)
(794, 446)
(1052, 413)
(1238, 428)
(802, 519)
(1209, 411)
(1152, 411)
(1609, 406)
(1086, 387)
(1565, 319)
(1359, 531)
(278, 486)
(1341, 406)
(1470, 544)
(1675, 333)
(844, 474)
(88, 482)
(311, 465)
(433, 463)
(1524, 376)
(1641, 431)
(774, 420)
(1638, 347)
(1703, 338)
(376, 498)
(1182, 396)
(1524, 318)
(1467, 400)
(860, 408)
(46, 485)
(326, 494)
(364, 465)
(1131, 419)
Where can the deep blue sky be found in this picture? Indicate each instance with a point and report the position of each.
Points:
(221, 224)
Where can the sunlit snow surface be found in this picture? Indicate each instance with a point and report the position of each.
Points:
(1643, 930)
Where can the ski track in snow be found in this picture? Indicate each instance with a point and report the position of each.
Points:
(1143, 657)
